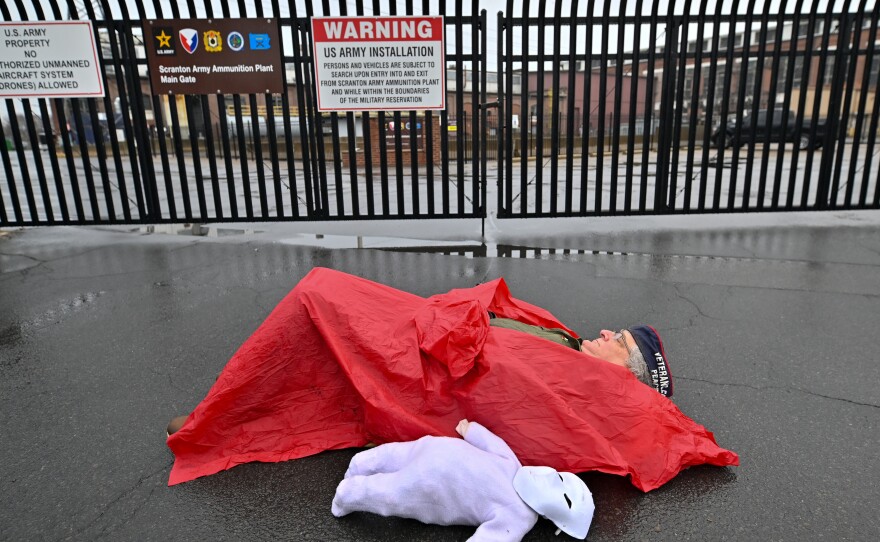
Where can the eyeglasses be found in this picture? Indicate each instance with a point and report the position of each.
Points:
(621, 336)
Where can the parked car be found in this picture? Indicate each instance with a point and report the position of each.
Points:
(727, 136)
(248, 128)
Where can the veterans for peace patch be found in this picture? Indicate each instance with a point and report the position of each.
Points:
(213, 41)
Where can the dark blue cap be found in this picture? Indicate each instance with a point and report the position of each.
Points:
(648, 341)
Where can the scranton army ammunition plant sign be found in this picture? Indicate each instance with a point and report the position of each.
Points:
(49, 59)
(379, 63)
(214, 56)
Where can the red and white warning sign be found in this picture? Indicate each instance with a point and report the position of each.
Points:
(379, 63)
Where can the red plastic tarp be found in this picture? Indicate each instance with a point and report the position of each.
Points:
(342, 362)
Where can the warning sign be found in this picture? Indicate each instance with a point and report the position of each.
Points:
(207, 56)
(49, 59)
(379, 63)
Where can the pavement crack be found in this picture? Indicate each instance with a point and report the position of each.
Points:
(13, 255)
(118, 498)
(781, 388)
(691, 302)
(869, 249)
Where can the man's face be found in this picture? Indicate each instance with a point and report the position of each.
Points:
(608, 348)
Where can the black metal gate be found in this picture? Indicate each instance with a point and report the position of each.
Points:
(656, 109)
(131, 157)
(646, 109)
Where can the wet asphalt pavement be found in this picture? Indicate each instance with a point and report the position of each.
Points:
(771, 332)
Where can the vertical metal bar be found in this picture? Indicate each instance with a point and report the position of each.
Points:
(569, 118)
(459, 108)
(152, 186)
(526, 124)
(554, 106)
(398, 143)
(303, 117)
(142, 167)
(163, 153)
(367, 146)
(38, 161)
(352, 145)
(273, 152)
(618, 99)
(756, 107)
(723, 138)
(258, 147)
(837, 117)
(4, 220)
(68, 154)
(366, 121)
(696, 83)
(290, 175)
(823, 180)
(34, 141)
(99, 136)
(212, 157)
(444, 127)
(4, 153)
(86, 159)
(802, 101)
(383, 166)
(414, 161)
(428, 132)
(714, 52)
(539, 87)
(290, 154)
(223, 121)
(257, 140)
(649, 108)
(243, 156)
(635, 73)
(181, 162)
(482, 209)
(53, 160)
(337, 164)
(119, 72)
(852, 57)
(586, 100)
(398, 165)
(197, 160)
(667, 121)
(680, 75)
(771, 107)
(742, 83)
(10, 180)
(317, 137)
(603, 99)
(870, 58)
(478, 68)
(791, 58)
(505, 111)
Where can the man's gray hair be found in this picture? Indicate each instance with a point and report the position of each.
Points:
(636, 364)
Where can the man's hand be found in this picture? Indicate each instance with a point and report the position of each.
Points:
(462, 427)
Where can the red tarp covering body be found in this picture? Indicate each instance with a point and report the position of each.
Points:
(342, 362)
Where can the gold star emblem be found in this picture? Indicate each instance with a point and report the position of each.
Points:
(164, 39)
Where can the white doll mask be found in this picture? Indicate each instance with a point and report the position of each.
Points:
(561, 497)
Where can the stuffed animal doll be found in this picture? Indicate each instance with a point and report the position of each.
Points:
(476, 481)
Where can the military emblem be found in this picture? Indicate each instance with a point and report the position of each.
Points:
(213, 41)
(189, 39)
(163, 43)
(235, 41)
